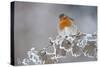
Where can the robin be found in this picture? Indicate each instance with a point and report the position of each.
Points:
(66, 25)
(65, 21)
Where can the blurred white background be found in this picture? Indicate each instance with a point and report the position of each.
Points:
(5, 32)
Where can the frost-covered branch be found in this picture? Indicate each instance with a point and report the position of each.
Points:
(76, 44)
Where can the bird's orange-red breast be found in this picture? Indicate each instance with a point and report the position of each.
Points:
(64, 22)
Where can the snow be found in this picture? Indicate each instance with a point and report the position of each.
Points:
(68, 41)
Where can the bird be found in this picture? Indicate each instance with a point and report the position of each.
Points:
(66, 25)
(65, 21)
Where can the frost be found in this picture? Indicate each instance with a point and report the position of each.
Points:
(80, 43)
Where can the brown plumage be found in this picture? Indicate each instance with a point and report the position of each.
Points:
(65, 21)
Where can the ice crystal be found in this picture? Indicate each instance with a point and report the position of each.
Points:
(80, 43)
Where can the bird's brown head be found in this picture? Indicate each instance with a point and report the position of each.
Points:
(65, 21)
